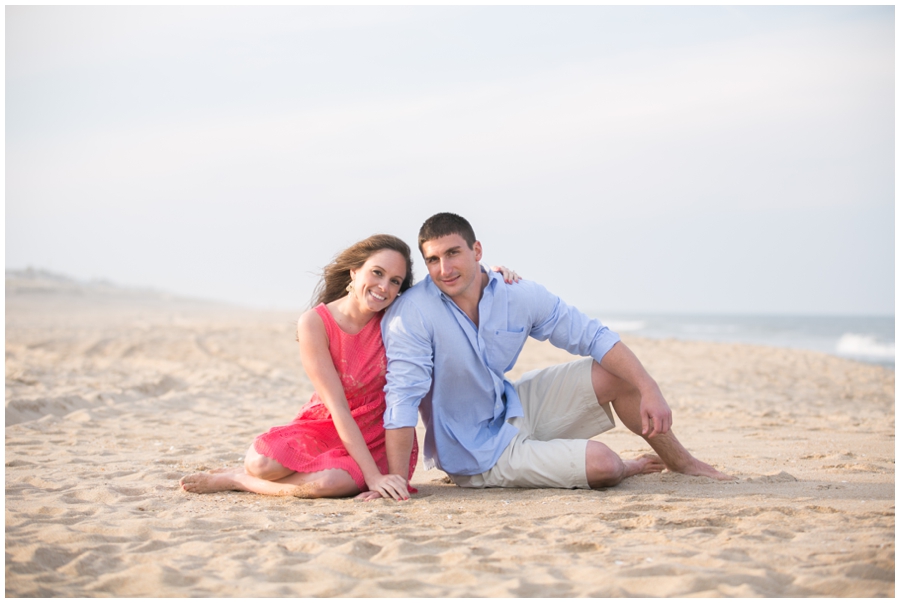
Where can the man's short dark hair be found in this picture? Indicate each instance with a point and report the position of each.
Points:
(444, 224)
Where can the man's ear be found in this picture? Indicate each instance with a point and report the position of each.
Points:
(477, 249)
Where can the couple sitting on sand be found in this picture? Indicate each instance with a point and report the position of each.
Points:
(443, 349)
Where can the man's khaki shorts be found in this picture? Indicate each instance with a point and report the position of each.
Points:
(561, 414)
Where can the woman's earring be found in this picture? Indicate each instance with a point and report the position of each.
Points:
(350, 287)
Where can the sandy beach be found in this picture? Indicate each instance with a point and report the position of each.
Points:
(112, 395)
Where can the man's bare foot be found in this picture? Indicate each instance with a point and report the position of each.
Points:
(697, 467)
(647, 463)
(205, 483)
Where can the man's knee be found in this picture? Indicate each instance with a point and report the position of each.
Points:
(604, 468)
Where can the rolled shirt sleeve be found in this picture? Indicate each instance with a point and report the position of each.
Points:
(407, 342)
(568, 328)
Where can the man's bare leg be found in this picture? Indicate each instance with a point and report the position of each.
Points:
(605, 468)
(626, 400)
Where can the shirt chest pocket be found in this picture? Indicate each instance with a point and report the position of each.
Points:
(502, 348)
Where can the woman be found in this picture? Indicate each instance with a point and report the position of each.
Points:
(335, 445)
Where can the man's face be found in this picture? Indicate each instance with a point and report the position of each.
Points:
(452, 265)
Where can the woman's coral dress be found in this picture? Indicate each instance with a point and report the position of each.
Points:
(311, 442)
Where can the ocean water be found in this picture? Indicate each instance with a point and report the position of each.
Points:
(864, 338)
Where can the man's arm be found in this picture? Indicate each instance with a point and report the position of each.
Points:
(398, 445)
(409, 365)
(656, 416)
(568, 328)
(407, 342)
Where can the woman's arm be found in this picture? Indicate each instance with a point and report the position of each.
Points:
(317, 363)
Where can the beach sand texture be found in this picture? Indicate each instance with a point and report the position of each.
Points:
(112, 395)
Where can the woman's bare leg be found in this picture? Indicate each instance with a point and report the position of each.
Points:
(330, 483)
(263, 467)
(263, 475)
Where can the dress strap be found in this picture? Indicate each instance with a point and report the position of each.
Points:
(331, 326)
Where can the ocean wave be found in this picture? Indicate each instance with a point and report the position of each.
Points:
(851, 344)
(625, 326)
(710, 329)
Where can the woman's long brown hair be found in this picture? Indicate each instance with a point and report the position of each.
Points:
(336, 275)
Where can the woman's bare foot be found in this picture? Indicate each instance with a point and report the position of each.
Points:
(647, 463)
(205, 483)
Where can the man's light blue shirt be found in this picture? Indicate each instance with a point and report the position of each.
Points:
(441, 364)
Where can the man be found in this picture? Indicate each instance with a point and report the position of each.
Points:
(450, 340)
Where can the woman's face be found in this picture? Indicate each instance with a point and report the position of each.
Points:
(377, 282)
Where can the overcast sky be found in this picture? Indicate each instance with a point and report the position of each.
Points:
(664, 159)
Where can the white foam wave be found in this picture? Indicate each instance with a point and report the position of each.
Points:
(715, 329)
(851, 344)
(624, 326)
